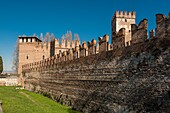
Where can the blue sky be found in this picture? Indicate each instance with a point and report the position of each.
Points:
(88, 18)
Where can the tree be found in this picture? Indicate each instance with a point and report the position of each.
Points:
(76, 37)
(1, 65)
(67, 36)
(15, 58)
(47, 38)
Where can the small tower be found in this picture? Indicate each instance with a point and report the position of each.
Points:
(30, 50)
(123, 20)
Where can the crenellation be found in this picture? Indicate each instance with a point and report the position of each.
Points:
(70, 54)
(124, 14)
(139, 32)
(104, 43)
(75, 53)
(92, 47)
(115, 15)
(64, 56)
(162, 26)
(68, 44)
(32, 49)
(119, 39)
(73, 44)
(160, 18)
(77, 42)
(134, 27)
(143, 24)
(63, 43)
(59, 55)
(120, 77)
(121, 14)
(83, 49)
(57, 42)
(129, 15)
(152, 34)
(110, 72)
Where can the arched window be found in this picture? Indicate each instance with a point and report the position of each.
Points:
(27, 58)
(43, 57)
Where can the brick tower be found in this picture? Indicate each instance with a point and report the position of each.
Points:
(123, 20)
(31, 49)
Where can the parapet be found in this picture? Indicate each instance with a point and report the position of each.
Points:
(76, 52)
(125, 14)
(103, 43)
(139, 35)
(143, 24)
(92, 47)
(83, 46)
(118, 40)
(162, 25)
(105, 38)
(70, 54)
(160, 18)
(139, 32)
(151, 34)
(92, 43)
(28, 39)
(83, 49)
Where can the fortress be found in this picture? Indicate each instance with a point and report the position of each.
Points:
(31, 49)
(129, 75)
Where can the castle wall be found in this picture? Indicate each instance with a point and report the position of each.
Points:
(65, 45)
(139, 33)
(162, 25)
(119, 39)
(122, 80)
(104, 43)
(83, 50)
(92, 47)
(125, 79)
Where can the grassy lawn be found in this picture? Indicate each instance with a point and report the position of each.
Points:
(22, 101)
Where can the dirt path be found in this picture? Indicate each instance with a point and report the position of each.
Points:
(28, 97)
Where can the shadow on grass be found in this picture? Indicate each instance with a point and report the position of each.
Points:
(73, 111)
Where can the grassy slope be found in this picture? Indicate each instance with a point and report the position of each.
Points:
(22, 101)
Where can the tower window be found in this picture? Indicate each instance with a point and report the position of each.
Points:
(125, 20)
(43, 57)
(27, 57)
(26, 39)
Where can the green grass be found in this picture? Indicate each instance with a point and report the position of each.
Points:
(22, 101)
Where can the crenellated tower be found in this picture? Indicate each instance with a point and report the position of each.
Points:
(123, 20)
